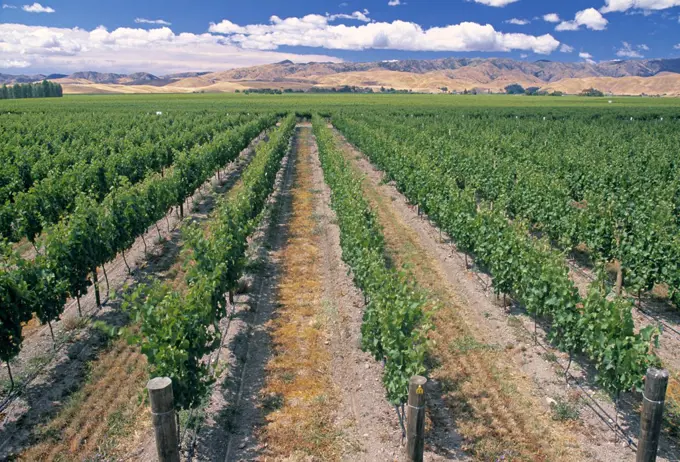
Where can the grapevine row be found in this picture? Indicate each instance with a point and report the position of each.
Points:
(616, 191)
(394, 322)
(48, 199)
(177, 330)
(95, 233)
(519, 264)
(35, 146)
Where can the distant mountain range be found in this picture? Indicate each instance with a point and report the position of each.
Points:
(138, 78)
(649, 76)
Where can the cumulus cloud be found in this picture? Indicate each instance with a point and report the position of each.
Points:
(590, 18)
(124, 49)
(518, 22)
(316, 31)
(358, 15)
(625, 5)
(160, 22)
(551, 17)
(587, 57)
(496, 3)
(566, 48)
(37, 8)
(5, 6)
(394, 3)
(628, 51)
(677, 47)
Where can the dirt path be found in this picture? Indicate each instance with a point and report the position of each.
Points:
(233, 413)
(67, 408)
(500, 388)
(300, 388)
(299, 396)
(364, 413)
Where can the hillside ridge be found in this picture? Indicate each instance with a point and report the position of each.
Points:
(454, 74)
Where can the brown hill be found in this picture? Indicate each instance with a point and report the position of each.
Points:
(634, 77)
(454, 74)
(543, 70)
(666, 84)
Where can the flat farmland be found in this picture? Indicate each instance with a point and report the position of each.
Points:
(291, 261)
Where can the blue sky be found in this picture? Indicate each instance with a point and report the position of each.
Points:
(126, 36)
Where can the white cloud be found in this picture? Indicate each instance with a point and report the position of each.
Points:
(518, 22)
(496, 3)
(677, 47)
(566, 48)
(587, 57)
(315, 31)
(9, 63)
(627, 51)
(37, 8)
(5, 6)
(624, 5)
(343, 5)
(644, 13)
(358, 15)
(158, 51)
(643, 47)
(524, 56)
(590, 18)
(394, 3)
(152, 21)
(551, 17)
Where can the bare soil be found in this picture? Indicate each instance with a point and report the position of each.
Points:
(522, 381)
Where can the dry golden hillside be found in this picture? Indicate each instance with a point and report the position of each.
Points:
(106, 88)
(411, 75)
(663, 84)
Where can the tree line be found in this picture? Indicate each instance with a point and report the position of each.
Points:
(44, 89)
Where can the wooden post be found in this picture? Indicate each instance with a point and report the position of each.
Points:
(163, 415)
(652, 413)
(415, 419)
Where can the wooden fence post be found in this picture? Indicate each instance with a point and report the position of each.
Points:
(163, 415)
(653, 398)
(415, 419)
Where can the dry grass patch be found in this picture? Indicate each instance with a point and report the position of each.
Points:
(672, 412)
(31, 327)
(94, 419)
(299, 396)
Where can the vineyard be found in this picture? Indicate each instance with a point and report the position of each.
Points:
(291, 261)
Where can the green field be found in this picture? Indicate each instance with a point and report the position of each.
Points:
(527, 189)
(328, 101)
